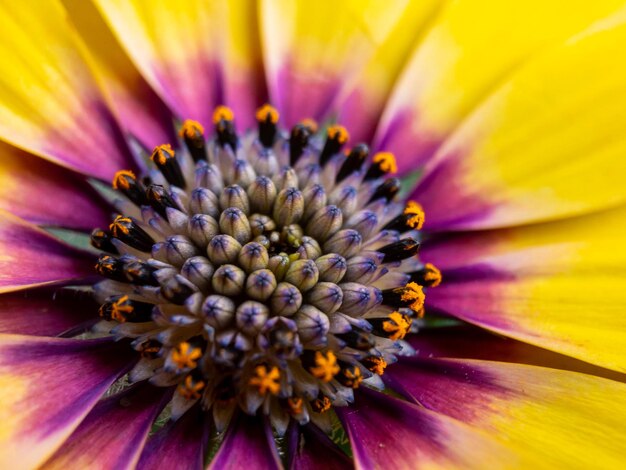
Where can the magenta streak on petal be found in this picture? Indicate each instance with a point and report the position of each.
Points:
(475, 301)
(309, 449)
(113, 434)
(412, 151)
(193, 91)
(303, 96)
(66, 378)
(179, 445)
(244, 95)
(46, 311)
(461, 391)
(95, 147)
(358, 116)
(386, 432)
(44, 193)
(248, 443)
(470, 342)
(447, 203)
(31, 257)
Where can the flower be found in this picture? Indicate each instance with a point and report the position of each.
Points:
(257, 275)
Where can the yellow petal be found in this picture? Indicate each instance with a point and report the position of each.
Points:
(187, 50)
(139, 109)
(559, 285)
(548, 144)
(473, 46)
(316, 51)
(548, 418)
(49, 102)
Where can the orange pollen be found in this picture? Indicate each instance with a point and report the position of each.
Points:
(267, 111)
(310, 123)
(119, 182)
(295, 405)
(186, 356)
(376, 365)
(321, 405)
(118, 225)
(398, 325)
(326, 366)
(417, 213)
(353, 376)
(223, 113)
(413, 292)
(190, 389)
(386, 161)
(338, 133)
(120, 308)
(162, 153)
(191, 129)
(266, 381)
(432, 275)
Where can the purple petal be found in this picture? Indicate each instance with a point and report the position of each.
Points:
(46, 312)
(44, 193)
(30, 257)
(48, 385)
(248, 443)
(113, 434)
(179, 445)
(309, 449)
(387, 432)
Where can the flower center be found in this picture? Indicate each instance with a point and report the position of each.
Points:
(271, 271)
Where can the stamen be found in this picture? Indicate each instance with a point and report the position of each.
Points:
(325, 367)
(375, 364)
(298, 141)
(336, 138)
(121, 309)
(126, 230)
(428, 276)
(267, 117)
(410, 296)
(223, 118)
(353, 162)
(350, 376)
(192, 133)
(387, 190)
(266, 381)
(321, 404)
(164, 158)
(295, 405)
(101, 240)
(310, 124)
(191, 388)
(399, 250)
(397, 326)
(382, 164)
(126, 182)
(185, 356)
(411, 218)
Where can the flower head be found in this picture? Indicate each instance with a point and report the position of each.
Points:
(264, 267)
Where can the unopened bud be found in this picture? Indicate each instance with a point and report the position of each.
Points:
(326, 296)
(209, 176)
(251, 316)
(203, 201)
(286, 299)
(362, 268)
(228, 280)
(179, 249)
(234, 222)
(346, 242)
(303, 274)
(235, 196)
(223, 249)
(199, 271)
(289, 206)
(314, 199)
(219, 311)
(260, 224)
(260, 284)
(177, 289)
(262, 193)
(325, 222)
(202, 228)
(358, 298)
(309, 248)
(332, 267)
(286, 178)
(313, 326)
